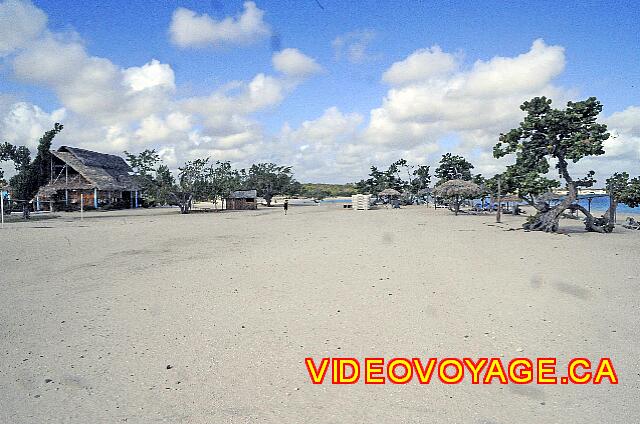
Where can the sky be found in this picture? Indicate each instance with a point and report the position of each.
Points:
(329, 87)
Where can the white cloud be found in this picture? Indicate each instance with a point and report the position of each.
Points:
(328, 129)
(188, 29)
(521, 74)
(25, 123)
(93, 86)
(421, 65)
(156, 129)
(152, 74)
(109, 108)
(20, 23)
(485, 98)
(293, 63)
(353, 46)
(261, 92)
(626, 121)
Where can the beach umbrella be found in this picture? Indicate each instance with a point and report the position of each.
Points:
(389, 192)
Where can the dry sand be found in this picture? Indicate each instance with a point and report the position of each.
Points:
(92, 314)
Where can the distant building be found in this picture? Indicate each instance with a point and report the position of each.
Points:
(242, 200)
(581, 191)
(102, 179)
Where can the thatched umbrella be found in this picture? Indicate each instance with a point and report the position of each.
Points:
(457, 190)
(510, 198)
(389, 192)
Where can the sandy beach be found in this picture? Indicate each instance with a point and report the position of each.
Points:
(146, 316)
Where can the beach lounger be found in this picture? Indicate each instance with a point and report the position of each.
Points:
(631, 224)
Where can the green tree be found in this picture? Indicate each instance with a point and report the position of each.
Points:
(193, 184)
(166, 184)
(453, 167)
(621, 189)
(374, 184)
(20, 157)
(527, 184)
(421, 178)
(563, 136)
(223, 180)
(270, 179)
(31, 175)
(631, 194)
(144, 166)
(616, 186)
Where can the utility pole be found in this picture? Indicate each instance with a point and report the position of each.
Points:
(499, 212)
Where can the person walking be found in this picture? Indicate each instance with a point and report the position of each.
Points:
(286, 206)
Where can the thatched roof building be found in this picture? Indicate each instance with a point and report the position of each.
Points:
(101, 178)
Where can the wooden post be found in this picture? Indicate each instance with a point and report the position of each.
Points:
(2, 208)
(81, 207)
(499, 212)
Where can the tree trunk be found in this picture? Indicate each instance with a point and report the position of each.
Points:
(185, 204)
(457, 205)
(610, 214)
(547, 219)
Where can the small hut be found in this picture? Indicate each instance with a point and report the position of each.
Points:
(242, 200)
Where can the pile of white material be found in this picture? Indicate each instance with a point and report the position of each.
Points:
(360, 202)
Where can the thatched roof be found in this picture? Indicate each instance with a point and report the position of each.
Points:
(389, 192)
(453, 188)
(510, 198)
(244, 194)
(98, 170)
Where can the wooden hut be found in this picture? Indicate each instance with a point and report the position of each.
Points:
(102, 179)
(242, 200)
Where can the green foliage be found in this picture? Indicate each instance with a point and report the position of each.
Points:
(193, 178)
(565, 135)
(31, 175)
(631, 195)
(320, 191)
(421, 179)
(154, 178)
(526, 184)
(453, 167)
(223, 180)
(270, 179)
(624, 190)
(562, 135)
(144, 163)
(617, 184)
(418, 178)
(165, 183)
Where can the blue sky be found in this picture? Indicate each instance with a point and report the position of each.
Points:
(589, 48)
